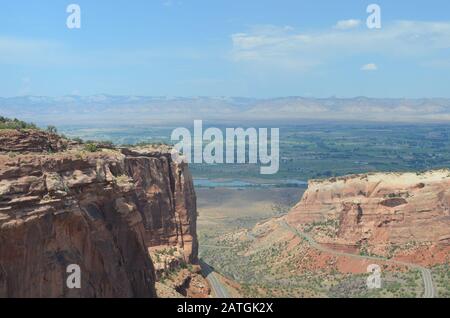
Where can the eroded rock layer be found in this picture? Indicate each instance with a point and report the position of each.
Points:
(31, 141)
(384, 213)
(100, 210)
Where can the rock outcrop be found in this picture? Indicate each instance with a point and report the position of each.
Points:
(388, 214)
(100, 210)
(31, 141)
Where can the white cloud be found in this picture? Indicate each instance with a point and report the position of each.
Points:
(288, 48)
(347, 24)
(369, 67)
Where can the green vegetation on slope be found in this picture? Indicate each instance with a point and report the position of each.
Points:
(441, 278)
(7, 123)
(273, 271)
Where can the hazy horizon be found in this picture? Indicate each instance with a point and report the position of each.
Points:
(104, 109)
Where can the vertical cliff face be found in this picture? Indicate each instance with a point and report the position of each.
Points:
(100, 210)
(166, 200)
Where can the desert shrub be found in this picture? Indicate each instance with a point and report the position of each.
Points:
(90, 147)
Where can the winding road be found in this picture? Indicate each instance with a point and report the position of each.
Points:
(429, 289)
(219, 291)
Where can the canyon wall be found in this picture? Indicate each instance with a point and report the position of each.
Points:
(383, 213)
(101, 210)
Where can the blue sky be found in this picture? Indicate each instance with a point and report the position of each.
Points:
(256, 48)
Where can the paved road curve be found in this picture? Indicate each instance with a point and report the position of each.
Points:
(219, 291)
(429, 289)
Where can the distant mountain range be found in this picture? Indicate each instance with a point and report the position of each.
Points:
(140, 109)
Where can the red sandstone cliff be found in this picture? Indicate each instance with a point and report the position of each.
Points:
(403, 215)
(100, 210)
